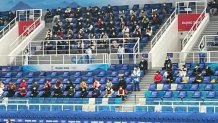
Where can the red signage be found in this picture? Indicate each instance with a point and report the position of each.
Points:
(23, 25)
(186, 21)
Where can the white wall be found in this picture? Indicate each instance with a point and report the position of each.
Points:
(169, 42)
(196, 35)
(28, 39)
(5, 41)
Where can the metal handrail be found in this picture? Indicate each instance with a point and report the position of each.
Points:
(163, 29)
(8, 27)
(193, 28)
(25, 33)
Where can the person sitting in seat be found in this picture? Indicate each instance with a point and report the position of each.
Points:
(197, 70)
(208, 71)
(169, 78)
(22, 92)
(121, 93)
(58, 89)
(34, 92)
(69, 84)
(11, 89)
(35, 85)
(71, 92)
(47, 89)
(96, 92)
(84, 93)
(122, 83)
(183, 71)
(198, 78)
(83, 85)
(157, 78)
(109, 89)
(96, 84)
(23, 84)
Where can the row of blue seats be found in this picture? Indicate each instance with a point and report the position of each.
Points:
(188, 95)
(75, 80)
(182, 87)
(64, 74)
(41, 100)
(112, 67)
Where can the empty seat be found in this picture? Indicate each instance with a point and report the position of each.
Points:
(168, 94)
(152, 87)
(196, 94)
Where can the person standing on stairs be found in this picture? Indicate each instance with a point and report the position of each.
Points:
(202, 54)
(136, 79)
(120, 53)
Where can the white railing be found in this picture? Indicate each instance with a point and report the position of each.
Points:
(8, 27)
(187, 105)
(193, 28)
(209, 42)
(103, 58)
(26, 32)
(195, 57)
(72, 47)
(128, 58)
(163, 28)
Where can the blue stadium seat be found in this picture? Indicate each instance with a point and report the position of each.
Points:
(206, 79)
(208, 87)
(152, 87)
(182, 94)
(196, 94)
(194, 87)
(178, 80)
(211, 94)
(154, 94)
(180, 87)
(166, 87)
(168, 94)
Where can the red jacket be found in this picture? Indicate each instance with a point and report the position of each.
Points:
(157, 77)
(23, 84)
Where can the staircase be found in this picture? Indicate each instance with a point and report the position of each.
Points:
(211, 29)
(133, 98)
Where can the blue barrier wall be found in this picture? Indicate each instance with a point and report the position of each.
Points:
(68, 116)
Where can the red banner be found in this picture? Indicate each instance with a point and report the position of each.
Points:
(186, 21)
(23, 25)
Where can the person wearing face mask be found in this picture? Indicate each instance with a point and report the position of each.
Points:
(136, 78)
(120, 53)
(83, 93)
(202, 53)
(69, 84)
(143, 65)
(197, 70)
(122, 83)
(34, 92)
(71, 91)
(109, 89)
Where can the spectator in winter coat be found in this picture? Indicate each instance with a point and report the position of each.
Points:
(157, 77)
(143, 65)
(11, 89)
(23, 84)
